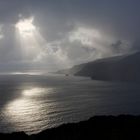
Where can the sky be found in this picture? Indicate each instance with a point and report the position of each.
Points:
(48, 35)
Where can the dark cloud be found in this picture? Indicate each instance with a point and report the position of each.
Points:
(117, 22)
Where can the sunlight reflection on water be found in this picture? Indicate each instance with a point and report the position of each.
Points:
(27, 108)
(36, 103)
(36, 91)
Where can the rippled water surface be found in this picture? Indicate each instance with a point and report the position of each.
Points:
(32, 103)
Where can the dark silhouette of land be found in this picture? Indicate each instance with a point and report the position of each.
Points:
(118, 68)
(123, 127)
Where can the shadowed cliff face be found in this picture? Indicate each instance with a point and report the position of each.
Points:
(123, 127)
(119, 68)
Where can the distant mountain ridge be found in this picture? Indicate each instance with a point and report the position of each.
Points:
(118, 68)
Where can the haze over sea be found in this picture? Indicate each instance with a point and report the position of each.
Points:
(33, 103)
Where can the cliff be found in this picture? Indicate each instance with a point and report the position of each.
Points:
(119, 68)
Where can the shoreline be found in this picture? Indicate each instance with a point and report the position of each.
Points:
(97, 127)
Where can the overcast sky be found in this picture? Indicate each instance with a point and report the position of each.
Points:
(56, 34)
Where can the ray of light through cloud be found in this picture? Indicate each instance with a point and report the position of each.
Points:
(49, 35)
(1, 34)
(30, 40)
(35, 48)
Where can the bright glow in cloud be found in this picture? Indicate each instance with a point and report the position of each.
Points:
(92, 39)
(30, 39)
(81, 44)
(84, 35)
(35, 49)
(25, 26)
(51, 37)
(96, 43)
(1, 36)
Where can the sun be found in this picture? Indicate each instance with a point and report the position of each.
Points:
(26, 26)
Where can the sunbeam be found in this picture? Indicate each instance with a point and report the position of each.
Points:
(30, 40)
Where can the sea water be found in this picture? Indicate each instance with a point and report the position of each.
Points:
(33, 103)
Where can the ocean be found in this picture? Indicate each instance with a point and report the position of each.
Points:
(33, 103)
